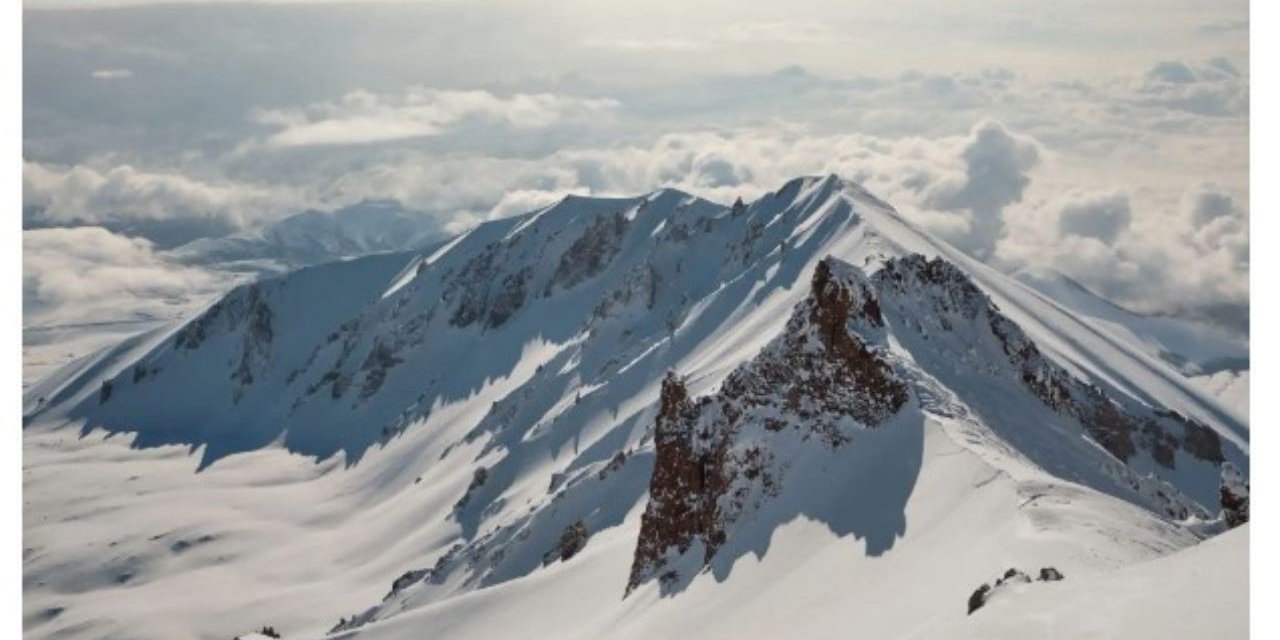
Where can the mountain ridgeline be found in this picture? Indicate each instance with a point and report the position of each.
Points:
(705, 374)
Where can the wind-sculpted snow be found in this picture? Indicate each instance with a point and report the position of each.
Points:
(487, 418)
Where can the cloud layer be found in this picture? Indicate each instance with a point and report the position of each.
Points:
(167, 207)
(88, 274)
(361, 117)
(1115, 151)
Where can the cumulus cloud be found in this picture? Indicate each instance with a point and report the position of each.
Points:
(1102, 217)
(361, 117)
(1111, 208)
(1172, 71)
(169, 208)
(995, 176)
(1208, 205)
(1188, 255)
(88, 274)
(1210, 88)
(1219, 225)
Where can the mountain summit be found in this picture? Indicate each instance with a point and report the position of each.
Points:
(630, 416)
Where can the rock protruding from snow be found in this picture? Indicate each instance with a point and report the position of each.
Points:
(947, 321)
(1234, 495)
(817, 384)
(484, 293)
(571, 541)
(951, 298)
(984, 593)
(591, 252)
(478, 478)
(244, 310)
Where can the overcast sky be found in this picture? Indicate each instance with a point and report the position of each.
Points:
(1107, 140)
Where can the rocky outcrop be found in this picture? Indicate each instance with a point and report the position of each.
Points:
(683, 489)
(1234, 495)
(246, 310)
(829, 374)
(591, 252)
(255, 346)
(483, 293)
(817, 383)
(478, 478)
(1124, 430)
(572, 540)
(405, 580)
(985, 592)
(382, 357)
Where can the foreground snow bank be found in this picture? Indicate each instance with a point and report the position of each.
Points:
(1199, 592)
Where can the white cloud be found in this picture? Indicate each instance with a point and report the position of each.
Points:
(1214, 87)
(361, 117)
(1186, 255)
(996, 163)
(1100, 216)
(112, 74)
(88, 274)
(1103, 126)
(168, 207)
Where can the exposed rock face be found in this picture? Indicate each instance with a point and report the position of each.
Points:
(683, 489)
(255, 347)
(829, 375)
(978, 597)
(245, 310)
(1234, 495)
(571, 541)
(985, 592)
(483, 293)
(382, 357)
(478, 479)
(637, 291)
(407, 578)
(1050, 574)
(715, 457)
(1124, 431)
(591, 252)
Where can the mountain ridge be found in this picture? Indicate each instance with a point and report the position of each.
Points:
(491, 405)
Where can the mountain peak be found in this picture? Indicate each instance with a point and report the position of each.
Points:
(668, 384)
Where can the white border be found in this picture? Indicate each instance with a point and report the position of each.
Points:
(1265, 282)
(11, 342)
(1264, 341)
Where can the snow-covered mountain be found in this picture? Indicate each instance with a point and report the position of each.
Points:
(315, 237)
(631, 417)
(1194, 348)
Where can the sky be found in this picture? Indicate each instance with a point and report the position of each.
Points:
(1104, 140)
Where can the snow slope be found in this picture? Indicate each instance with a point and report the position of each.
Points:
(1146, 600)
(478, 421)
(312, 237)
(1192, 347)
(1231, 388)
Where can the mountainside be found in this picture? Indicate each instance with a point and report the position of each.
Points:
(314, 237)
(624, 416)
(1191, 347)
